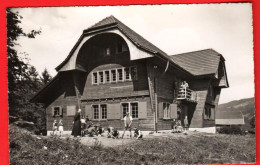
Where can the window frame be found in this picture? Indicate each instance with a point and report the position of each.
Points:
(112, 77)
(105, 77)
(100, 113)
(129, 74)
(166, 110)
(130, 110)
(93, 78)
(118, 76)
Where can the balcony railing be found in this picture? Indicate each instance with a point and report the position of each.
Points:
(187, 94)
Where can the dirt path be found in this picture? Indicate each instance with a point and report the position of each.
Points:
(109, 142)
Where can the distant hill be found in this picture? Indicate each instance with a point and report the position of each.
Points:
(246, 106)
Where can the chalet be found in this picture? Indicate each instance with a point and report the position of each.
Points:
(112, 70)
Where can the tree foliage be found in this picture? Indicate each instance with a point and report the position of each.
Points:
(23, 78)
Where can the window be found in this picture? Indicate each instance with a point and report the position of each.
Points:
(114, 75)
(100, 111)
(96, 112)
(107, 76)
(134, 108)
(101, 77)
(127, 73)
(119, 47)
(95, 79)
(166, 110)
(103, 111)
(120, 74)
(134, 73)
(56, 111)
(107, 51)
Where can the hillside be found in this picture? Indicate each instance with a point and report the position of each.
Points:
(246, 106)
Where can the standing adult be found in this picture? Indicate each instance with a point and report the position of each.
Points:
(186, 124)
(76, 130)
(127, 121)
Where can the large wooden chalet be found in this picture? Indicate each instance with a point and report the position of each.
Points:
(112, 70)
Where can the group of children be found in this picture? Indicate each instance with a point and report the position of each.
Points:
(177, 126)
(57, 127)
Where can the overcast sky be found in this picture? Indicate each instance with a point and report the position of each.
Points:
(227, 28)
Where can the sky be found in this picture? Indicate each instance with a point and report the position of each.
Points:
(226, 28)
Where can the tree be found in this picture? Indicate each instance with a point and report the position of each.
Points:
(23, 78)
(17, 68)
(46, 77)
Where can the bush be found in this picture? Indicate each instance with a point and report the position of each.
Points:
(234, 129)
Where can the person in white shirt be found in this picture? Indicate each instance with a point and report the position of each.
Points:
(127, 121)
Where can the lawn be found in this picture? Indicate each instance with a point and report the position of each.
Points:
(26, 148)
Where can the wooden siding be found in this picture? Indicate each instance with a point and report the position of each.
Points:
(201, 87)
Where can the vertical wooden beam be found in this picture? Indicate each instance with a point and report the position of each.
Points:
(76, 89)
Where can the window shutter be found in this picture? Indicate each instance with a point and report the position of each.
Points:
(160, 110)
(88, 111)
(52, 111)
(142, 110)
(173, 111)
(114, 111)
(71, 110)
(61, 111)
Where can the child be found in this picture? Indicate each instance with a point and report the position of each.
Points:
(186, 125)
(173, 125)
(60, 127)
(109, 131)
(100, 130)
(54, 127)
(137, 133)
(115, 134)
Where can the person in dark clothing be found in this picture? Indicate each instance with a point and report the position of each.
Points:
(115, 134)
(76, 130)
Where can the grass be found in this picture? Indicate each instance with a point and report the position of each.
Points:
(25, 148)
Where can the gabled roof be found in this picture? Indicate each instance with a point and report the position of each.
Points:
(202, 62)
(139, 41)
(132, 35)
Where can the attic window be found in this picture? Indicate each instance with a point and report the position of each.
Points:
(107, 52)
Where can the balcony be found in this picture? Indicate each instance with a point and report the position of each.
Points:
(187, 94)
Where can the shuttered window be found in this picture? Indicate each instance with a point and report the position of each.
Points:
(56, 111)
(173, 113)
(71, 110)
(166, 110)
(114, 111)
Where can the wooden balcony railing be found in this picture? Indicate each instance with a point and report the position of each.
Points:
(187, 94)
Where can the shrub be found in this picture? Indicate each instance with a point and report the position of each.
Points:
(234, 129)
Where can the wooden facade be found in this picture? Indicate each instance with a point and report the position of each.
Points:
(112, 70)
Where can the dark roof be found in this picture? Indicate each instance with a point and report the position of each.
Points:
(138, 40)
(202, 62)
(132, 35)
